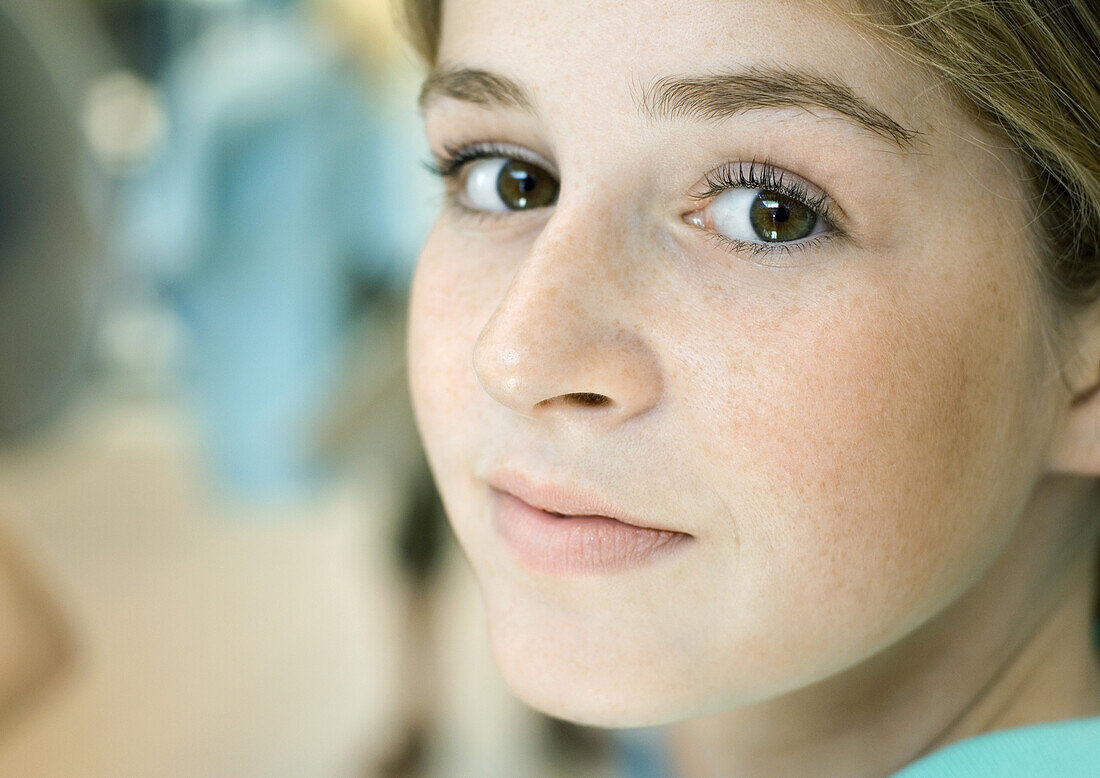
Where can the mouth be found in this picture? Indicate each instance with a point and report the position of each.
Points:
(558, 530)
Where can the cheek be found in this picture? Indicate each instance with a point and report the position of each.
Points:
(441, 305)
(452, 297)
(880, 436)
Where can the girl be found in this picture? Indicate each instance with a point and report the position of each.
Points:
(756, 350)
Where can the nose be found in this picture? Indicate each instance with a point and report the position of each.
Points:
(566, 340)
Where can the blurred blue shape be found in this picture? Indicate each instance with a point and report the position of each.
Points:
(282, 180)
(641, 753)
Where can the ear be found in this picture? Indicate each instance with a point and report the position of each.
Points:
(1076, 450)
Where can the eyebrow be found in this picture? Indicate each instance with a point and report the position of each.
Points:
(710, 97)
(714, 97)
(475, 86)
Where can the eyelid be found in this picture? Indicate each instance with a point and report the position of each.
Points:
(449, 162)
(766, 254)
(757, 174)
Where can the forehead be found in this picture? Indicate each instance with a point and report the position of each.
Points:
(572, 52)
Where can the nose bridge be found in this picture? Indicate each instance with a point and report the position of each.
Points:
(562, 340)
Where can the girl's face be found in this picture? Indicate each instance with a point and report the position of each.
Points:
(726, 346)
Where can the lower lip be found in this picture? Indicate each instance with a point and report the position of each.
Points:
(564, 545)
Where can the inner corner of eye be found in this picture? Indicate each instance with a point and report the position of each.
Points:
(696, 218)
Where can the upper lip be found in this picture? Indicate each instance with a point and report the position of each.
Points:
(566, 499)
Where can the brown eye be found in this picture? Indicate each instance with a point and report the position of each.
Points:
(778, 218)
(522, 185)
(760, 216)
(507, 184)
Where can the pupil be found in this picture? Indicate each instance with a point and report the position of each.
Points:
(777, 218)
(522, 185)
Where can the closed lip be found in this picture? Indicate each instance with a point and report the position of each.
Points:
(566, 499)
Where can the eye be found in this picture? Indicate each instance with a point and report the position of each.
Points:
(758, 208)
(506, 184)
(759, 216)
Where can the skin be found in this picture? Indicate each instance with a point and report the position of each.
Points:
(877, 453)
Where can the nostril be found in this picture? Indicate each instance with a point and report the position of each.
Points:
(587, 399)
(590, 398)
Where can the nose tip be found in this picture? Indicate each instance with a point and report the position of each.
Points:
(575, 368)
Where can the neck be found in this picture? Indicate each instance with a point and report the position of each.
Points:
(1014, 650)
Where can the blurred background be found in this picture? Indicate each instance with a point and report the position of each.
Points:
(220, 551)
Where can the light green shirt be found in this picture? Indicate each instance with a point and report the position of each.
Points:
(1064, 749)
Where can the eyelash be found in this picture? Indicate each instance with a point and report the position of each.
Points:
(765, 175)
(733, 175)
(450, 163)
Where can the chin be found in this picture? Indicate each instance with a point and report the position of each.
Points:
(573, 691)
(605, 675)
